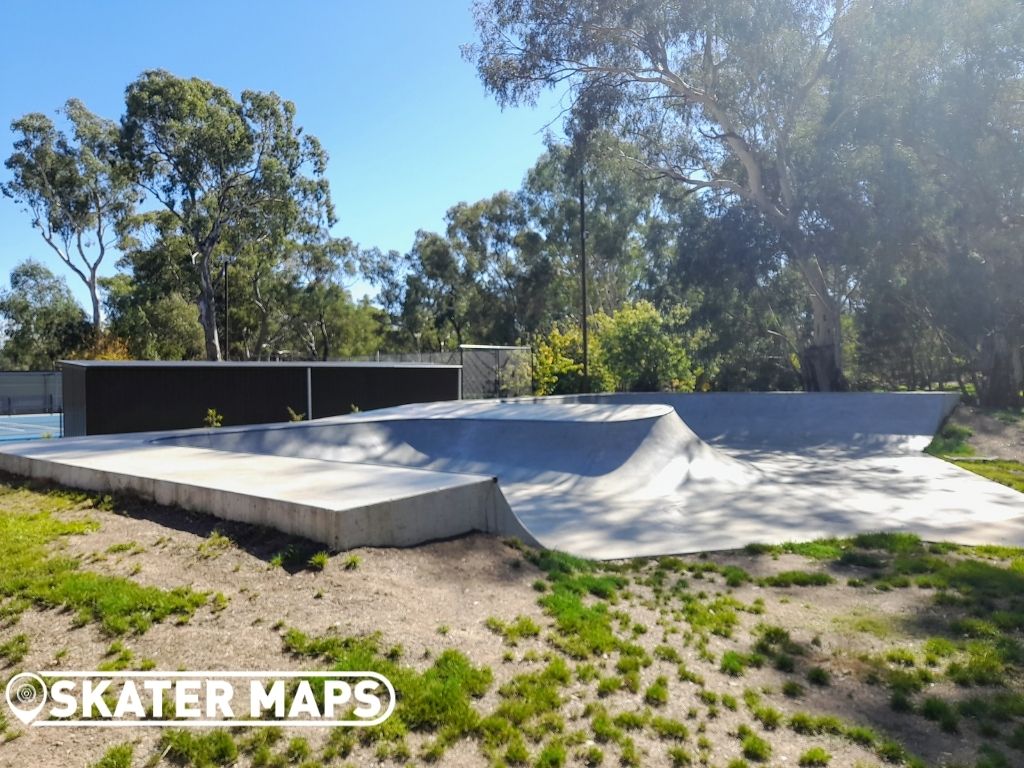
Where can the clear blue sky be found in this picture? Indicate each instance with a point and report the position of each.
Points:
(406, 121)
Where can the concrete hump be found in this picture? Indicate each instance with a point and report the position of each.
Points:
(639, 450)
(855, 422)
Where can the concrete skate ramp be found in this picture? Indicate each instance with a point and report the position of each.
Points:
(854, 422)
(602, 476)
(566, 448)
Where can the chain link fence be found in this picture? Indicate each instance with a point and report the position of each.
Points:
(30, 392)
(487, 371)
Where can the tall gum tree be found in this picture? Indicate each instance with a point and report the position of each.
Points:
(216, 164)
(74, 190)
(727, 97)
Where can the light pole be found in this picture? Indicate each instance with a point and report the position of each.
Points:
(227, 316)
(583, 280)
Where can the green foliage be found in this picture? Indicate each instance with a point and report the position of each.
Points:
(42, 321)
(679, 757)
(14, 650)
(558, 363)
(319, 560)
(951, 441)
(733, 663)
(183, 747)
(512, 633)
(934, 708)
(351, 562)
(551, 756)
(646, 350)
(222, 170)
(798, 579)
(754, 747)
(212, 419)
(811, 725)
(668, 729)
(214, 545)
(819, 676)
(150, 311)
(657, 693)
(439, 697)
(78, 196)
(636, 348)
(119, 756)
(815, 757)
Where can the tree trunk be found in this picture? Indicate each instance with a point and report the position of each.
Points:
(208, 312)
(97, 317)
(326, 351)
(821, 362)
(1002, 372)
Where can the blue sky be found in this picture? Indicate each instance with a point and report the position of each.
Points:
(408, 126)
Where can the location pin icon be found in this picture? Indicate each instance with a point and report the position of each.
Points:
(26, 696)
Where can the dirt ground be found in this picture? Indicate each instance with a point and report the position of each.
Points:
(440, 596)
(992, 437)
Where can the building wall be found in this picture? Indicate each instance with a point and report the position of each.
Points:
(117, 398)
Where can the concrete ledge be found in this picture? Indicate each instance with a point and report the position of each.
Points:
(340, 505)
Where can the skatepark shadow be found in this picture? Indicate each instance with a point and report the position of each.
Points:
(798, 504)
(470, 446)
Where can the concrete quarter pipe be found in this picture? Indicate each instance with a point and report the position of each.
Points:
(605, 476)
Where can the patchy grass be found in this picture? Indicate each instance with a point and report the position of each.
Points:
(119, 756)
(1004, 472)
(512, 632)
(202, 750)
(617, 664)
(951, 441)
(31, 574)
(14, 650)
(215, 545)
(815, 757)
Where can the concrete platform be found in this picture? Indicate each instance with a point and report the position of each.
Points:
(604, 476)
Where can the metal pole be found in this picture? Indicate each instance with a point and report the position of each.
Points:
(583, 259)
(309, 394)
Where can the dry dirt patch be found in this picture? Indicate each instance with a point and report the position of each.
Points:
(670, 624)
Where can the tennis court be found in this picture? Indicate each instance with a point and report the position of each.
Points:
(31, 426)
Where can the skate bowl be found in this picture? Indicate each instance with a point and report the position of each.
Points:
(603, 476)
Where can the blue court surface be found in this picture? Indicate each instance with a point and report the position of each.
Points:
(30, 426)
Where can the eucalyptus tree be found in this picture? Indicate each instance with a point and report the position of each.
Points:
(936, 95)
(724, 97)
(73, 188)
(216, 163)
(620, 202)
(42, 322)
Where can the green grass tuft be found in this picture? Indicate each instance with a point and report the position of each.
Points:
(798, 579)
(951, 441)
(319, 561)
(119, 756)
(815, 757)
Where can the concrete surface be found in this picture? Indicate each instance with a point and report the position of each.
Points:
(601, 476)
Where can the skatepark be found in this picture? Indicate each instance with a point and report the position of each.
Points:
(603, 476)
